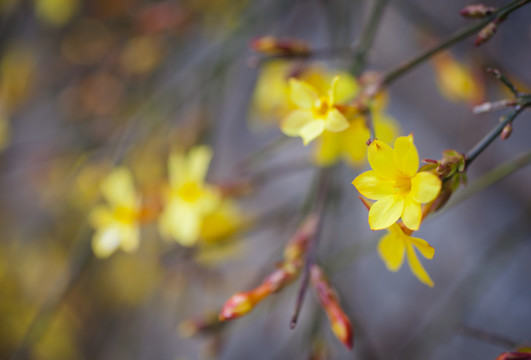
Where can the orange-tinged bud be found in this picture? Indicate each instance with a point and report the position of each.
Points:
(477, 11)
(339, 321)
(270, 45)
(298, 244)
(238, 305)
(506, 132)
(486, 33)
(514, 356)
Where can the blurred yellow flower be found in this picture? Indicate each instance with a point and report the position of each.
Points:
(189, 198)
(351, 144)
(116, 224)
(17, 77)
(392, 247)
(56, 12)
(316, 111)
(396, 185)
(456, 81)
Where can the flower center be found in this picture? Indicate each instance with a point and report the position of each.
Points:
(321, 106)
(189, 192)
(403, 185)
(125, 215)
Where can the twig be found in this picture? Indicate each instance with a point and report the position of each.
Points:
(367, 36)
(320, 201)
(504, 80)
(493, 134)
(456, 37)
(487, 337)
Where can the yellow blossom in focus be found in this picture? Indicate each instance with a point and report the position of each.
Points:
(351, 144)
(316, 111)
(396, 185)
(392, 247)
(456, 81)
(116, 224)
(189, 198)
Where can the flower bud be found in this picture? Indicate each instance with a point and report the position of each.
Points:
(339, 321)
(514, 356)
(298, 244)
(272, 46)
(238, 305)
(506, 132)
(477, 11)
(486, 33)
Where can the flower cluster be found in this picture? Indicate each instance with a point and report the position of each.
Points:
(192, 209)
(399, 190)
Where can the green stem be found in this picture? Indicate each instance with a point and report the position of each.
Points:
(367, 36)
(456, 37)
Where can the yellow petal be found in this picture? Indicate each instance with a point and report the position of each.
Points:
(354, 142)
(312, 130)
(180, 222)
(302, 94)
(118, 188)
(177, 168)
(198, 162)
(386, 127)
(100, 216)
(372, 186)
(328, 149)
(333, 89)
(295, 121)
(416, 267)
(422, 245)
(412, 214)
(380, 156)
(129, 238)
(335, 121)
(345, 89)
(385, 212)
(425, 187)
(391, 250)
(106, 240)
(405, 155)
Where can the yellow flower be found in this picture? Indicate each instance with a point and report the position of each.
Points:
(396, 185)
(190, 199)
(351, 144)
(116, 224)
(316, 111)
(456, 81)
(392, 247)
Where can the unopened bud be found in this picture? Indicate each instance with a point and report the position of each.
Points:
(506, 132)
(339, 321)
(514, 356)
(486, 33)
(478, 11)
(270, 45)
(298, 244)
(238, 305)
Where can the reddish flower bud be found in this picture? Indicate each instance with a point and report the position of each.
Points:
(486, 33)
(339, 321)
(238, 305)
(506, 132)
(514, 356)
(478, 11)
(270, 45)
(298, 244)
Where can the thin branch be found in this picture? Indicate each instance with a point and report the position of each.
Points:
(456, 37)
(319, 204)
(367, 36)
(493, 134)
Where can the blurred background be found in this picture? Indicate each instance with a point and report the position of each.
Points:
(86, 86)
